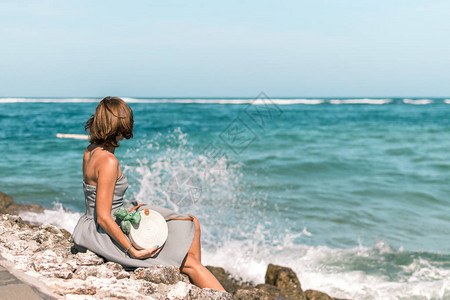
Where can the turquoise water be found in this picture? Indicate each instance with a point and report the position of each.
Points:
(353, 196)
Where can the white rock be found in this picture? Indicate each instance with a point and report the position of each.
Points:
(178, 291)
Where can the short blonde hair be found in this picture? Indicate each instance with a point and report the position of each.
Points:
(112, 117)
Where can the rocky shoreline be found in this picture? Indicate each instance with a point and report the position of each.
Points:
(46, 252)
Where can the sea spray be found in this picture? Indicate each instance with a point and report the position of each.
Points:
(344, 173)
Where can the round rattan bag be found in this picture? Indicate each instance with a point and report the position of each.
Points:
(151, 231)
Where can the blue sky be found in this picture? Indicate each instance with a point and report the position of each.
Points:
(225, 49)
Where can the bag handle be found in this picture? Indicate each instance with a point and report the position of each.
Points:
(136, 207)
(173, 218)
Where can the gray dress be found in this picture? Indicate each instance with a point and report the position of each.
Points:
(90, 235)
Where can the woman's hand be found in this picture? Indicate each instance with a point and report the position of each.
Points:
(146, 253)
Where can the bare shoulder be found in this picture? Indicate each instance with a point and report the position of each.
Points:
(107, 160)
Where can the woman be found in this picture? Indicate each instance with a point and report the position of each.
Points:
(104, 186)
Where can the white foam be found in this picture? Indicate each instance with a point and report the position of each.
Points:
(447, 101)
(418, 101)
(317, 267)
(58, 216)
(325, 269)
(298, 101)
(172, 177)
(72, 136)
(48, 100)
(167, 100)
(360, 101)
(229, 101)
(189, 101)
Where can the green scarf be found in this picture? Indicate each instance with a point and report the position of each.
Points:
(127, 218)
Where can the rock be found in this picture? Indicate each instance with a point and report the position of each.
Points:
(252, 293)
(107, 270)
(207, 294)
(316, 295)
(88, 258)
(5, 201)
(50, 237)
(147, 288)
(272, 290)
(17, 245)
(178, 291)
(15, 208)
(66, 234)
(159, 274)
(286, 280)
(122, 289)
(28, 235)
(48, 264)
(230, 284)
(50, 228)
(8, 206)
(13, 221)
(75, 287)
(77, 273)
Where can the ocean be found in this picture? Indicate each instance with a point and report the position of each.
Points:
(352, 194)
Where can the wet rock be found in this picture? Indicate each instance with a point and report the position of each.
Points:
(316, 295)
(286, 280)
(272, 290)
(230, 284)
(15, 208)
(159, 274)
(207, 294)
(5, 201)
(252, 293)
(66, 234)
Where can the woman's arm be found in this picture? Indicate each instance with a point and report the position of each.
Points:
(106, 182)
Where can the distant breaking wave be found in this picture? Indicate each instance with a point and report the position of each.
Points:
(418, 101)
(166, 100)
(72, 136)
(47, 100)
(278, 101)
(360, 101)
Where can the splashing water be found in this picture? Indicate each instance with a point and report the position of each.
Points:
(243, 234)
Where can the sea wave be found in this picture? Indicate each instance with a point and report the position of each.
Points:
(277, 101)
(360, 101)
(169, 100)
(48, 100)
(242, 235)
(418, 101)
(374, 272)
(57, 215)
(72, 136)
(254, 101)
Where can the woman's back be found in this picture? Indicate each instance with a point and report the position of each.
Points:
(93, 158)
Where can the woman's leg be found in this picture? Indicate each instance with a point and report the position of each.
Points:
(192, 266)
